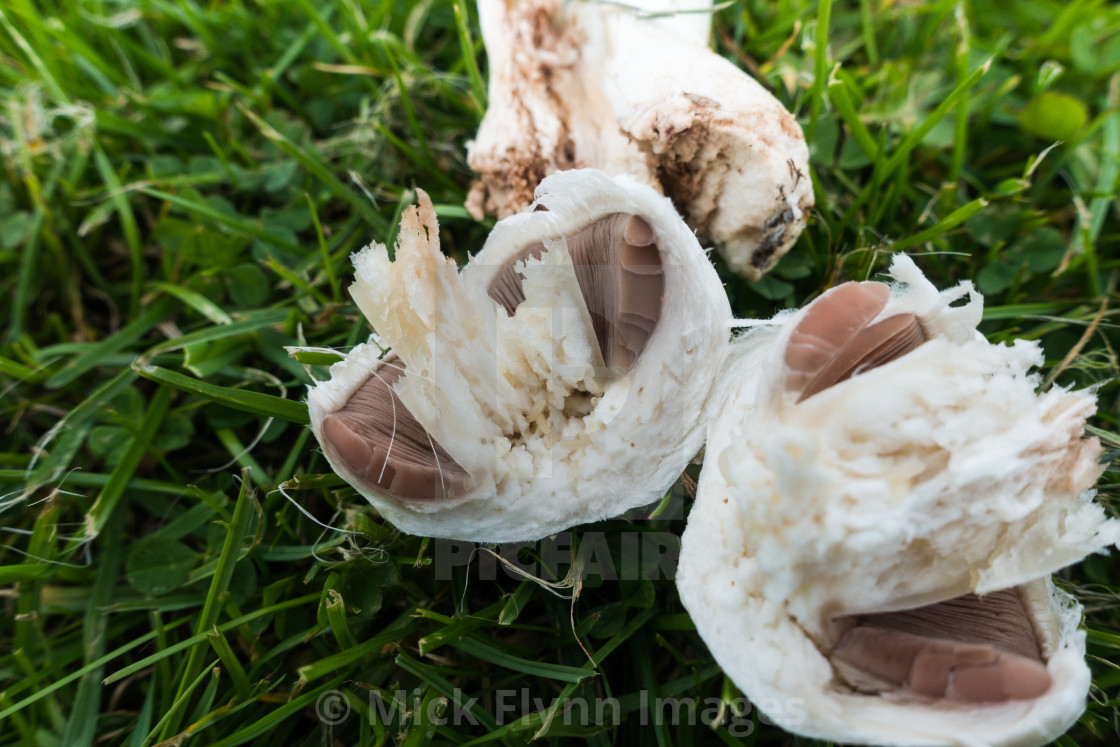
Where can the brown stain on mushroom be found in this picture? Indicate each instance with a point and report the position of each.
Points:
(691, 162)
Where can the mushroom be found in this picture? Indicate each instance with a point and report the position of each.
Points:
(558, 379)
(634, 89)
(883, 499)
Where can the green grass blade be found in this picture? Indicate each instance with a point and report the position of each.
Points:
(81, 728)
(236, 532)
(196, 301)
(820, 67)
(487, 652)
(96, 353)
(331, 664)
(958, 94)
(840, 98)
(319, 169)
(463, 27)
(166, 652)
(102, 509)
(237, 225)
(255, 402)
(942, 227)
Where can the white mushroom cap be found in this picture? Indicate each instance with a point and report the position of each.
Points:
(523, 404)
(939, 474)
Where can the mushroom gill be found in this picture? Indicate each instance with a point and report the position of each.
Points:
(376, 436)
(968, 649)
(619, 270)
(835, 340)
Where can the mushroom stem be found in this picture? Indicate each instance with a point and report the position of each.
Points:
(634, 89)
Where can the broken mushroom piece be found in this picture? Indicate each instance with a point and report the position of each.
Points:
(883, 499)
(634, 89)
(558, 379)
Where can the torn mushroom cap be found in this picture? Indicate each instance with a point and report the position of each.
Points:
(618, 267)
(883, 497)
(969, 649)
(898, 685)
(560, 378)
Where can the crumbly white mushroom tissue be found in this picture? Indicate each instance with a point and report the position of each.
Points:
(559, 379)
(884, 496)
(632, 88)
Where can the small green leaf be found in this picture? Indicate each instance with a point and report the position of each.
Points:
(795, 266)
(994, 225)
(280, 176)
(248, 285)
(1042, 249)
(13, 229)
(158, 565)
(108, 442)
(128, 405)
(771, 288)
(295, 217)
(361, 585)
(641, 594)
(852, 156)
(205, 359)
(1053, 116)
(610, 619)
(162, 166)
(995, 277)
(176, 432)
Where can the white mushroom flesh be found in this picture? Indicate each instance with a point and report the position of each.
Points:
(560, 378)
(883, 499)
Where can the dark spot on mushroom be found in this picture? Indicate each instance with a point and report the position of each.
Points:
(778, 219)
(704, 101)
(762, 254)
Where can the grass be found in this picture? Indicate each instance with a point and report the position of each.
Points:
(183, 183)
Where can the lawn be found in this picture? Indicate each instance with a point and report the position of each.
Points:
(183, 184)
